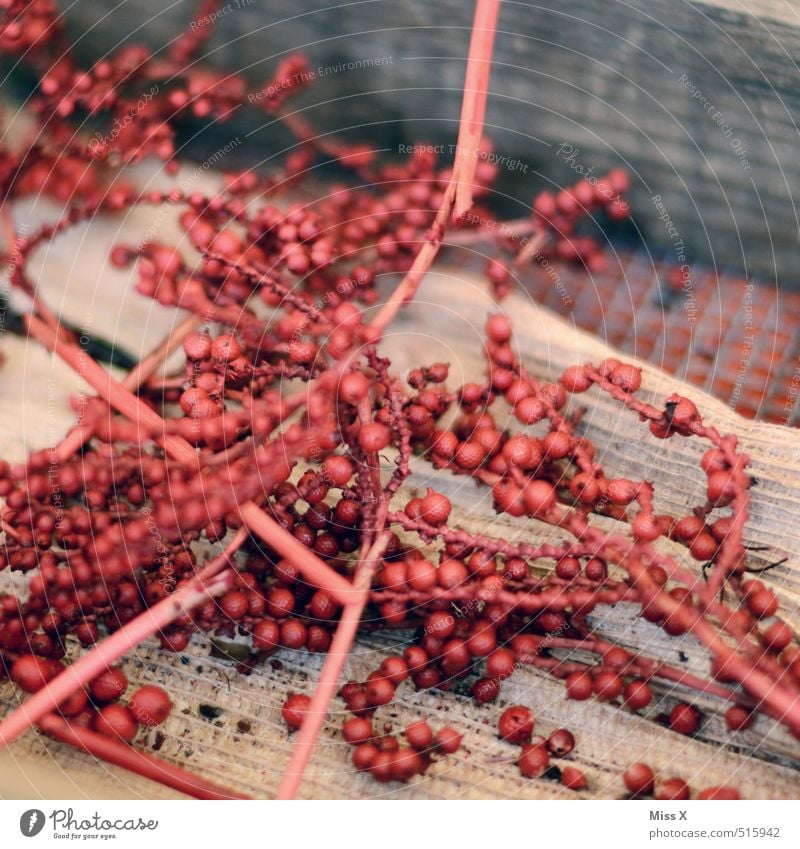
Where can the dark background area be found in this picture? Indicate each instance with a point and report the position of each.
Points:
(604, 77)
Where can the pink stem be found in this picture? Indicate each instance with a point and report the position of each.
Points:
(143, 764)
(459, 190)
(110, 389)
(132, 381)
(473, 104)
(318, 572)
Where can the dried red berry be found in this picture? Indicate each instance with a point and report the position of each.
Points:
(150, 705)
(419, 735)
(534, 761)
(639, 779)
(516, 724)
(357, 730)
(295, 709)
(109, 685)
(573, 778)
(116, 721)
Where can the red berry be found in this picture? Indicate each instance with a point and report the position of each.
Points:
(357, 730)
(74, 704)
(627, 377)
(639, 779)
(673, 789)
(470, 454)
(485, 690)
(373, 437)
(452, 574)
(379, 691)
(533, 761)
(530, 410)
(364, 755)
(685, 719)
(406, 763)
(280, 602)
(501, 663)
(575, 379)
(725, 793)
(573, 778)
(109, 685)
(539, 498)
(322, 606)
(197, 346)
(737, 718)
(266, 635)
(421, 575)
(395, 669)
(568, 568)
(31, 673)
(294, 710)
(381, 767)
(516, 724)
(579, 685)
(150, 705)
(637, 695)
(225, 348)
(646, 527)
(560, 743)
(483, 639)
(338, 469)
(518, 451)
(607, 685)
(440, 624)
(777, 635)
(353, 387)
(116, 721)
(234, 604)
(293, 634)
(498, 329)
(596, 569)
(435, 508)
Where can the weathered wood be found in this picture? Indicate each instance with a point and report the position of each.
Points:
(719, 146)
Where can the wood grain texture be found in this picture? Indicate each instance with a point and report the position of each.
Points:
(719, 146)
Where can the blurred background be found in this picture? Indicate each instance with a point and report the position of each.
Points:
(699, 100)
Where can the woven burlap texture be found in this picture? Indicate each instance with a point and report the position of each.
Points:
(228, 727)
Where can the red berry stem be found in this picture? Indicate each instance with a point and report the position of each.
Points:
(142, 763)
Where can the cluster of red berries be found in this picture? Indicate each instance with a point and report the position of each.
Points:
(381, 754)
(516, 725)
(272, 437)
(562, 211)
(98, 707)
